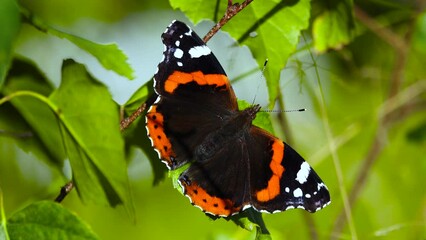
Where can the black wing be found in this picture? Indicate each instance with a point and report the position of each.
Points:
(194, 96)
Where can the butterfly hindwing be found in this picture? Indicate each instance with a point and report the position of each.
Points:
(287, 182)
(220, 194)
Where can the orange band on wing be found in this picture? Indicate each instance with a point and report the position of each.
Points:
(178, 78)
(154, 123)
(273, 188)
(208, 203)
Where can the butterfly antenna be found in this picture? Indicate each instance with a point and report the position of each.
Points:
(280, 111)
(262, 76)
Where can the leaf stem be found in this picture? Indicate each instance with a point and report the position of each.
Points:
(3, 221)
(38, 96)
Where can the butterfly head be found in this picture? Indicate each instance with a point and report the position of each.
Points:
(251, 112)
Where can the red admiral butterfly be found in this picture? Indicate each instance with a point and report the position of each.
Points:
(234, 164)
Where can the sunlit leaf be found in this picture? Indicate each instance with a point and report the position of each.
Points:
(109, 55)
(334, 27)
(47, 220)
(90, 128)
(271, 30)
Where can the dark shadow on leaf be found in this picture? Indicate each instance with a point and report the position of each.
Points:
(136, 135)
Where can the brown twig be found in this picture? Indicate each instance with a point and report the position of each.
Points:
(64, 191)
(401, 48)
(231, 11)
(125, 123)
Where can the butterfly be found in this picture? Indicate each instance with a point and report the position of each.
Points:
(234, 164)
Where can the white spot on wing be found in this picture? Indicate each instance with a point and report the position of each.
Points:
(167, 164)
(179, 64)
(320, 185)
(287, 189)
(199, 51)
(177, 43)
(298, 192)
(307, 195)
(246, 207)
(156, 101)
(303, 173)
(147, 130)
(178, 53)
(189, 33)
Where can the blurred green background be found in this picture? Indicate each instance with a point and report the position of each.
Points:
(373, 89)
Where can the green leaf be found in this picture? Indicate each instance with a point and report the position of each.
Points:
(276, 25)
(90, 128)
(419, 36)
(251, 219)
(47, 220)
(109, 55)
(139, 97)
(9, 25)
(334, 27)
(198, 10)
(22, 119)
